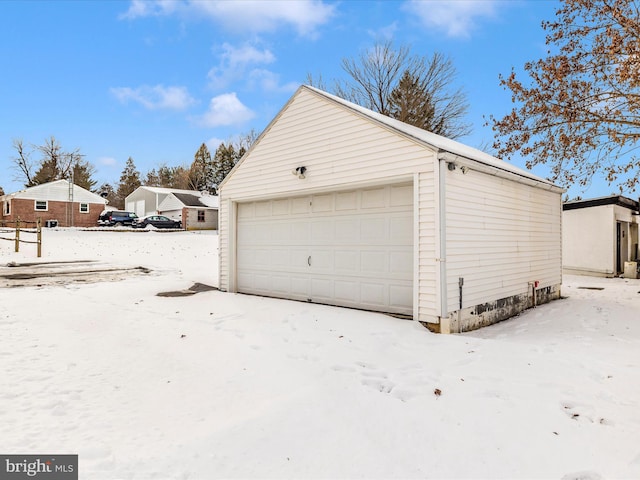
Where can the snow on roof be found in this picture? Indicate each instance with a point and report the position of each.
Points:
(58, 190)
(167, 190)
(431, 139)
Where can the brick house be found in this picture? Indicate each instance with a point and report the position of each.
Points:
(60, 200)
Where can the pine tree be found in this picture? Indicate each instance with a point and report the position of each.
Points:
(201, 171)
(224, 160)
(153, 179)
(129, 181)
(107, 191)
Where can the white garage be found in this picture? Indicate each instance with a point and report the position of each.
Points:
(351, 248)
(339, 205)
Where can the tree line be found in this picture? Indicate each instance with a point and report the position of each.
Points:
(56, 163)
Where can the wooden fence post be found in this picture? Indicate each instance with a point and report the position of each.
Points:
(18, 234)
(39, 240)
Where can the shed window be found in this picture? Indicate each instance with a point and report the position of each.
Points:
(84, 208)
(42, 205)
(201, 215)
(7, 208)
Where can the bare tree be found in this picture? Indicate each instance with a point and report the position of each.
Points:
(22, 162)
(374, 75)
(413, 89)
(579, 110)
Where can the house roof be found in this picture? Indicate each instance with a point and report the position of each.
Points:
(196, 199)
(430, 140)
(58, 190)
(618, 200)
(166, 190)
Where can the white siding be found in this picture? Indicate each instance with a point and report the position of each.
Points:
(589, 240)
(501, 235)
(339, 148)
(170, 203)
(427, 233)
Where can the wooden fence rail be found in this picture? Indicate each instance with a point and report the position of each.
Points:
(19, 227)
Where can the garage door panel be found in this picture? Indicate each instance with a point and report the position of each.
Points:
(374, 262)
(300, 205)
(322, 289)
(374, 198)
(373, 229)
(373, 294)
(347, 261)
(400, 262)
(401, 196)
(400, 230)
(350, 248)
(346, 201)
(400, 295)
(322, 203)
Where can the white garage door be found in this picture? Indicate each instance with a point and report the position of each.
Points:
(351, 248)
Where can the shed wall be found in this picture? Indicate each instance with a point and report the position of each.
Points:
(589, 240)
(501, 235)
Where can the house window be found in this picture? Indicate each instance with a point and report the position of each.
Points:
(7, 208)
(201, 215)
(84, 208)
(42, 205)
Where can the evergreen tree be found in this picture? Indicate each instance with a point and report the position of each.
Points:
(410, 103)
(153, 179)
(82, 175)
(201, 171)
(1, 191)
(224, 160)
(129, 181)
(173, 177)
(107, 191)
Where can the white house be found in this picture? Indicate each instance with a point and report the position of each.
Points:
(146, 200)
(599, 235)
(196, 210)
(339, 205)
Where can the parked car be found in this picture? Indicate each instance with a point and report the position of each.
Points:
(158, 221)
(116, 218)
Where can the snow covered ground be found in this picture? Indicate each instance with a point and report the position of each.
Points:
(217, 385)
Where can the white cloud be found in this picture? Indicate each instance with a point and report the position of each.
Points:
(264, 16)
(213, 144)
(235, 61)
(226, 109)
(253, 16)
(387, 33)
(270, 82)
(156, 97)
(145, 8)
(456, 19)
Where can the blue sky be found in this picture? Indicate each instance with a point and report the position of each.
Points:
(154, 79)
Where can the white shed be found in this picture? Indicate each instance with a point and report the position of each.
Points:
(339, 205)
(146, 200)
(599, 235)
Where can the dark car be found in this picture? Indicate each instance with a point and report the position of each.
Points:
(158, 221)
(116, 218)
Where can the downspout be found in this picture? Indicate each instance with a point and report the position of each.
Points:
(442, 178)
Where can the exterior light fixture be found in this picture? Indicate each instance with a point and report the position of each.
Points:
(299, 171)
